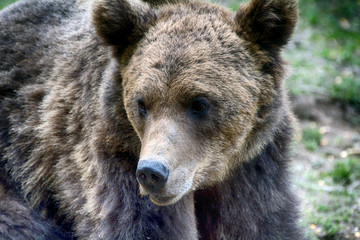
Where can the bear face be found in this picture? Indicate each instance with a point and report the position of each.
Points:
(191, 100)
(197, 83)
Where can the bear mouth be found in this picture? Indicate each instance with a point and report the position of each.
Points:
(164, 200)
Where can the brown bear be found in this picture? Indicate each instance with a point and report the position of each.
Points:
(121, 119)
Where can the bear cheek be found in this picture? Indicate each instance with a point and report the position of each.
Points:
(222, 152)
(211, 169)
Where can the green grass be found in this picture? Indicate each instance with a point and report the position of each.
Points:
(346, 89)
(311, 137)
(334, 213)
(326, 59)
(339, 23)
(346, 171)
(331, 205)
(4, 3)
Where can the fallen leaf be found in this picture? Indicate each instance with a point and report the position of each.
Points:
(312, 226)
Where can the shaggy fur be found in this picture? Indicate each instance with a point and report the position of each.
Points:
(72, 76)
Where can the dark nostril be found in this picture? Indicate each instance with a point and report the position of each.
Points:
(154, 178)
(152, 174)
(142, 176)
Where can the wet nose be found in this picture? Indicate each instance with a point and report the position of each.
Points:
(152, 174)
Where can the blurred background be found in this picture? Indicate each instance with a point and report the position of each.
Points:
(324, 85)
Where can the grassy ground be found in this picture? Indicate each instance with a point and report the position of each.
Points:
(327, 177)
(324, 82)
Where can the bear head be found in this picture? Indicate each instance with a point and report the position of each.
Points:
(202, 86)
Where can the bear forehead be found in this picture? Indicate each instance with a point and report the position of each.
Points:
(189, 25)
(193, 69)
(190, 52)
(189, 45)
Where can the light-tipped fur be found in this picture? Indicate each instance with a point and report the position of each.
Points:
(71, 78)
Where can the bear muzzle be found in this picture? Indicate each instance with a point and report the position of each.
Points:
(163, 185)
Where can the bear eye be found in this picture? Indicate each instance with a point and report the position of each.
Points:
(142, 108)
(199, 107)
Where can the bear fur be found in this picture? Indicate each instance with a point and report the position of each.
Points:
(89, 90)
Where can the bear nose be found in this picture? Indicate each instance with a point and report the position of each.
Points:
(152, 174)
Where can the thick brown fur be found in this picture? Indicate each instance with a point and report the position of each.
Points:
(72, 134)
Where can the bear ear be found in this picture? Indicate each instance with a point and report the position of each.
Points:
(267, 23)
(121, 23)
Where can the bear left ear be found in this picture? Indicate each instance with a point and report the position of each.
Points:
(267, 23)
(121, 23)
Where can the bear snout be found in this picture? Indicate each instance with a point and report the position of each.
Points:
(152, 175)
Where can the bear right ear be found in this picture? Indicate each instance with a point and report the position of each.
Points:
(121, 23)
(267, 23)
